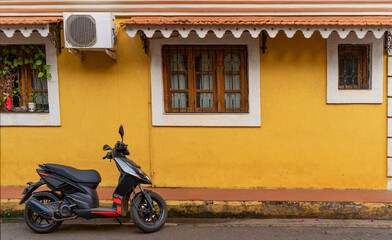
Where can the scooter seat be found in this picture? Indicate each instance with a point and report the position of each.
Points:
(90, 178)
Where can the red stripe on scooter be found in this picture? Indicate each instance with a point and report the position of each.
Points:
(117, 200)
(107, 214)
(45, 174)
(119, 210)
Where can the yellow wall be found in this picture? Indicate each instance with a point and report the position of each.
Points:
(302, 143)
(96, 96)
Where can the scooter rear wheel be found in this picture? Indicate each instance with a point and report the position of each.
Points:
(146, 219)
(39, 223)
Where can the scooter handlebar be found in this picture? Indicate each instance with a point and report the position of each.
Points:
(108, 155)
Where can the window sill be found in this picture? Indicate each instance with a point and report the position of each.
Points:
(208, 120)
(207, 113)
(30, 119)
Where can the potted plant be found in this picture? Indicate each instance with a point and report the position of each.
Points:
(31, 103)
(7, 99)
(5, 102)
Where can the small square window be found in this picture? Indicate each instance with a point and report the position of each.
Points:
(354, 64)
(354, 69)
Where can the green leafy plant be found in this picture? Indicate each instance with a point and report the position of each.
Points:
(4, 98)
(24, 55)
(32, 97)
(15, 91)
(6, 89)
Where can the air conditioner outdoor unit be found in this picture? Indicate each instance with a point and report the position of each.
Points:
(89, 31)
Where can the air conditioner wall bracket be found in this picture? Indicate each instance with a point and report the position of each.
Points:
(77, 53)
(80, 54)
(112, 53)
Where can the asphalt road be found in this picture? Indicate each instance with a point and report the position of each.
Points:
(188, 231)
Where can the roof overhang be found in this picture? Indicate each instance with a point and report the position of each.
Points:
(199, 8)
(255, 25)
(27, 25)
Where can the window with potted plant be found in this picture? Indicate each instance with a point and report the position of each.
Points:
(24, 74)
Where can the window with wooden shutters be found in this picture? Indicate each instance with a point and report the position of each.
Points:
(23, 79)
(354, 66)
(205, 79)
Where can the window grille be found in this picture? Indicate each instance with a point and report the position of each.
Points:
(23, 85)
(205, 78)
(354, 66)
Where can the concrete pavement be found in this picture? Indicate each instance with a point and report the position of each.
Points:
(194, 229)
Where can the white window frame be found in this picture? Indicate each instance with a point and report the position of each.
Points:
(250, 119)
(52, 118)
(372, 95)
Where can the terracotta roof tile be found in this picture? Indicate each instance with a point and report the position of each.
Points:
(29, 20)
(314, 20)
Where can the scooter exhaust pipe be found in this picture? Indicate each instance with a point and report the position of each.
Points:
(39, 208)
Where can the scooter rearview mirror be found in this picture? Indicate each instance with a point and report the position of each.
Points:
(106, 147)
(121, 132)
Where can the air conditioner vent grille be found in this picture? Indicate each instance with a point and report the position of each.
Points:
(81, 31)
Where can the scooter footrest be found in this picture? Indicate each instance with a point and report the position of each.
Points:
(97, 213)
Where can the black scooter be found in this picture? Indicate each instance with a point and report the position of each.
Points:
(46, 210)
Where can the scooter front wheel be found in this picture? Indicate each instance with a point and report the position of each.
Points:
(146, 219)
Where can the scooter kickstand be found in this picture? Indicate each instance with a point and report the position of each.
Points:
(118, 220)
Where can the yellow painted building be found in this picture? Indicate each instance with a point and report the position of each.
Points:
(298, 133)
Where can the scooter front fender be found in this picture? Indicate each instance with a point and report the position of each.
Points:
(28, 191)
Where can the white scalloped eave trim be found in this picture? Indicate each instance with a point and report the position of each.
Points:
(26, 30)
(255, 31)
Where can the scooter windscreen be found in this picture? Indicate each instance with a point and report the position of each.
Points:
(131, 168)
